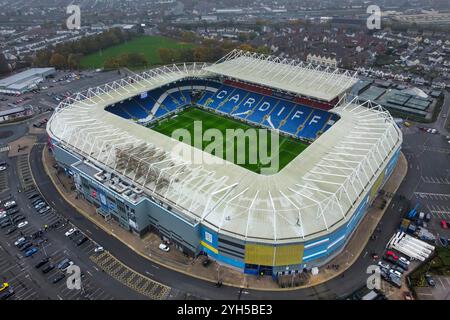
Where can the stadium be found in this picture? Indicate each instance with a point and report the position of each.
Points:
(335, 155)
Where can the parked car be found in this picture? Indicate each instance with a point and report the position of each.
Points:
(41, 263)
(63, 263)
(444, 224)
(19, 241)
(392, 254)
(381, 264)
(70, 232)
(66, 265)
(164, 247)
(22, 224)
(58, 278)
(430, 280)
(48, 268)
(30, 252)
(24, 245)
(11, 230)
(4, 286)
(6, 293)
(82, 240)
(44, 210)
(40, 205)
(99, 249)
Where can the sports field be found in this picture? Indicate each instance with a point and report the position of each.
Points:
(288, 148)
(148, 45)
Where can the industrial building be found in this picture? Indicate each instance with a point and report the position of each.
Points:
(24, 81)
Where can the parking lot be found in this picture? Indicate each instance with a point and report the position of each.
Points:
(32, 232)
(441, 291)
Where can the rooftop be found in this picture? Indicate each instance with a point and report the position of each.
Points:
(306, 79)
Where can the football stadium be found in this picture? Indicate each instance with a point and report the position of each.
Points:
(334, 155)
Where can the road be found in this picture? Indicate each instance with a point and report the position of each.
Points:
(354, 277)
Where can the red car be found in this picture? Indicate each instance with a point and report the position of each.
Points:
(444, 224)
(392, 254)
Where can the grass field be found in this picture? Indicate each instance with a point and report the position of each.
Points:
(148, 45)
(288, 148)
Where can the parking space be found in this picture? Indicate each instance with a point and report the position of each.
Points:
(15, 272)
(24, 172)
(3, 181)
(130, 278)
(441, 290)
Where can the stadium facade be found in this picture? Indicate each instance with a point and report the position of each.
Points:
(275, 224)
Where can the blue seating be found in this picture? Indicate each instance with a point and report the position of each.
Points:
(134, 110)
(331, 122)
(296, 118)
(279, 113)
(262, 109)
(205, 97)
(220, 96)
(314, 124)
(269, 111)
(161, 112)
(169, 103)
(233, 100)
(187, 96)
(246, 106)
(117, 110)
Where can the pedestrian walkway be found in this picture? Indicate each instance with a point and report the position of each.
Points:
(147, 247)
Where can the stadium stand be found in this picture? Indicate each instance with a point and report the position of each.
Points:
(296, 116)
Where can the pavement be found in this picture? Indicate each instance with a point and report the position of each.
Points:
(440, 292)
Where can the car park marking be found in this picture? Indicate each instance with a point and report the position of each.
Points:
(434, 196)
(136, 281)
(435, 180)
(436, 149)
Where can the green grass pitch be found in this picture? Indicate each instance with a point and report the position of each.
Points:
(288, 148)
(148, 45)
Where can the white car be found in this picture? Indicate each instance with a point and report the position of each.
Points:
(404, 260)
(164, 247)
(99, 249)
(398, 274)
(386, 266)
(70, 264)
(2, 215)
(2, 168)
(70, 232)
(22, 224)
(19, 241)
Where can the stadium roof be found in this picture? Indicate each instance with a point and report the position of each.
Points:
(306, 79)
(313, 195)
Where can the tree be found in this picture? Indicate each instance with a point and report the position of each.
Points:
(185, 55)
(4, 65)
(73, 61)
(58, 61)
(111, 63)
(188, 37)
(42, 58)
(166, 55)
